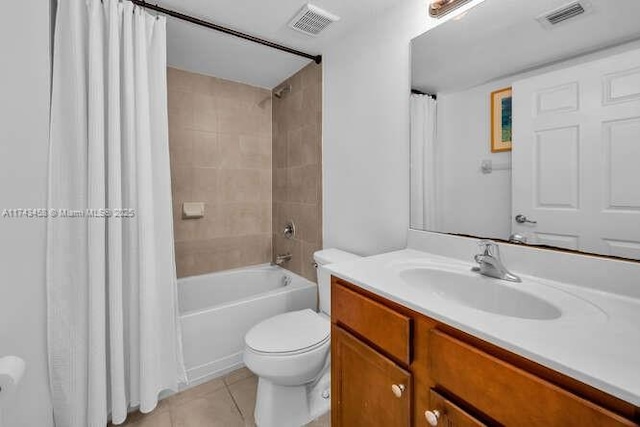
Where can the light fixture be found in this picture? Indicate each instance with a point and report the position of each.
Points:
(439, 8)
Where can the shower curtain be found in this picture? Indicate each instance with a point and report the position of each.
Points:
(113, 333)
(423, 162)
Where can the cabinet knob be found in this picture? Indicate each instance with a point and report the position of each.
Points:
(397, 389)
(432, 417)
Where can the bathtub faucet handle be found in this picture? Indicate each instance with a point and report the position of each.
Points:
(289, 230)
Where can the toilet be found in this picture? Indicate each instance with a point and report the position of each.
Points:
(290, 354)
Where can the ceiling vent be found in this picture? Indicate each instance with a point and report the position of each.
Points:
(565, 13)
(311, 20)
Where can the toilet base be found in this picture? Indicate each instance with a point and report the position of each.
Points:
(291, 406)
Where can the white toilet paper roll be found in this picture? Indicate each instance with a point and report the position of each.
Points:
(11, 372)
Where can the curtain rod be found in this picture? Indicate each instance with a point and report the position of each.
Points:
(220, 28)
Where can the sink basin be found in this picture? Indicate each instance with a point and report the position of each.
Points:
(481, 293)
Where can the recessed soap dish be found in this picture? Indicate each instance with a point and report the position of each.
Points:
(192, 210)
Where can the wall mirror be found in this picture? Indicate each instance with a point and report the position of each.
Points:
(525, 125)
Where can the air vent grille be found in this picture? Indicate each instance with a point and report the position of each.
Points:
(312, 20)
(565, 13)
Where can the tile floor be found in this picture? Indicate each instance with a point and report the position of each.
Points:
(223, 402)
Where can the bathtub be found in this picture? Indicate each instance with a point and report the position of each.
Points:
(218, 309)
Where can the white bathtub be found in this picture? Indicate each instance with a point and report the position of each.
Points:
(217, 310)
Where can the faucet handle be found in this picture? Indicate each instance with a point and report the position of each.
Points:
(488, 247)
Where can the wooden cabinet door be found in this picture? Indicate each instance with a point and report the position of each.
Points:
(367, 388)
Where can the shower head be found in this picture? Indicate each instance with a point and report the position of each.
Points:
(281, 91)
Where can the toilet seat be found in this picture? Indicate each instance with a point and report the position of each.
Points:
(289, 334)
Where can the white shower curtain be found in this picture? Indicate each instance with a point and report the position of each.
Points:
(113, 333)
(423, 162)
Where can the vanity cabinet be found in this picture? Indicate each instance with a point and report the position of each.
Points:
(392, 366)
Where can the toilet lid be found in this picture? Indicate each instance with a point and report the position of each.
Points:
(288, 332)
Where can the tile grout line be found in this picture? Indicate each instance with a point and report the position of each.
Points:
(234, 400)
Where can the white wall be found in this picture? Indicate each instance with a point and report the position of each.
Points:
(469, 201)
(24, 115)
(366, 131)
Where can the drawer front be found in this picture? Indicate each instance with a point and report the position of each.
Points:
(448, 414)
(506, 393)
(380, 325)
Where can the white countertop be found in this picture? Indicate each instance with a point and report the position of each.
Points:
(599, 345)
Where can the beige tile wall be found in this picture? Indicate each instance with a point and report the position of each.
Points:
(297, 168)
(220, 139)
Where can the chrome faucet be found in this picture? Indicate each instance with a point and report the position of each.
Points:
(281, 259)
(490, 263)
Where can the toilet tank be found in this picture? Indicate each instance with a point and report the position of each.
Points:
(322, 259)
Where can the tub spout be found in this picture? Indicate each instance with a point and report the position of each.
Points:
(281, 259)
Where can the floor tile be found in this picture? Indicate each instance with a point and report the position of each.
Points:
(159, 418)
(323, 421)
(215, 409)
(194, 392)
(159, 415)
(238, 375)
(244, 394)
(222, 402)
